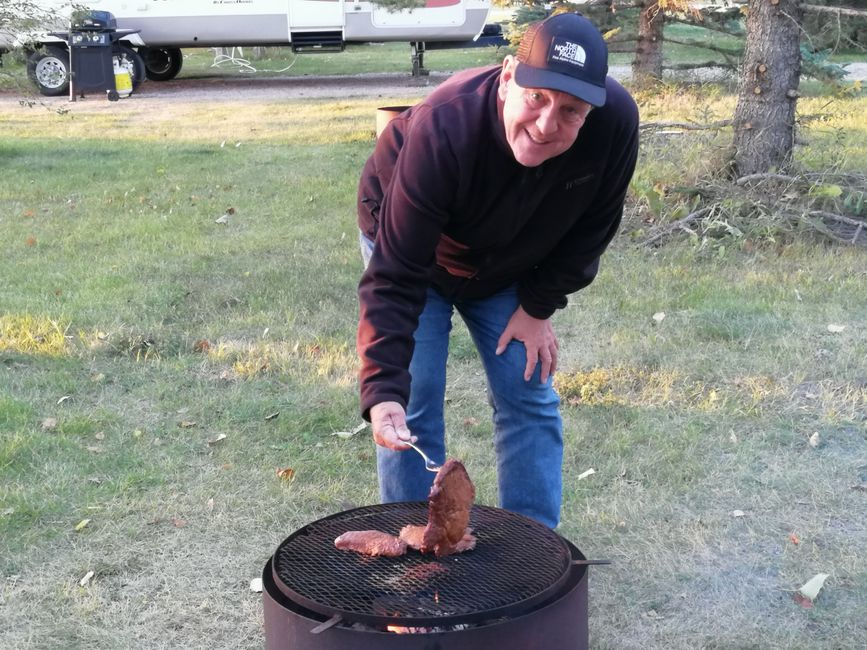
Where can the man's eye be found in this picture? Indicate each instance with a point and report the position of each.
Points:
(535, 99)
(572, 114)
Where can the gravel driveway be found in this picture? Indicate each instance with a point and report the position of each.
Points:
(245, 88)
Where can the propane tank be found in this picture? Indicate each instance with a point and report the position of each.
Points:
(122, 80)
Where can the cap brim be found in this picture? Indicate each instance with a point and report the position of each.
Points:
(527, 76)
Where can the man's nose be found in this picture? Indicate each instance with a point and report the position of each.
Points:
(547, 120)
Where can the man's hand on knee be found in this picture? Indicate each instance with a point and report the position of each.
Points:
(538, 338)
(388, 421)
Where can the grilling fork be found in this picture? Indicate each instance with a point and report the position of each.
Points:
(429, 465)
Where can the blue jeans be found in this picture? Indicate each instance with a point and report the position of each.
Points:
(528, 432)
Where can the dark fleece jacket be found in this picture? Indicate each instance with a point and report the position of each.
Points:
(450, 207)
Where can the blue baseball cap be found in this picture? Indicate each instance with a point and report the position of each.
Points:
(567, 53)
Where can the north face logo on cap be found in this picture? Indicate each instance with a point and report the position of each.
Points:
(567, 52)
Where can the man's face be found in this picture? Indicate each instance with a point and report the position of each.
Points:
(540, 123)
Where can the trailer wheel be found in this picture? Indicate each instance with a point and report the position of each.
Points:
(162, 63)
(128, 58)
(48, 68)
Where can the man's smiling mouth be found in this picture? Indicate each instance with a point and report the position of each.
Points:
(534, 139)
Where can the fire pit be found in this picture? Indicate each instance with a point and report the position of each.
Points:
(523, 587)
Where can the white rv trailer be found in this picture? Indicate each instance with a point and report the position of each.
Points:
(163, 27)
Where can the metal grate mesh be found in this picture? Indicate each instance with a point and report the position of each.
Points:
(516, 564)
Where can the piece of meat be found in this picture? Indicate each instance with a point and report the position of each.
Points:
(449, 503)
(466, 543)
(413, 535)
(371, 542)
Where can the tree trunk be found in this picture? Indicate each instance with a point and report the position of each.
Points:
(765, 115)
(647, 64)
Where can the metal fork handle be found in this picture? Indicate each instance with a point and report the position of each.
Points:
(429, 465)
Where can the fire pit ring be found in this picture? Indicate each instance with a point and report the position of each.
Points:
(516, 565)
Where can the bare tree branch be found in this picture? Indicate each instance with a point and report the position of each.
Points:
(840, 11)
(680, 224)
(688, 126)
(743, 180)
(693, 43)
(706, 64)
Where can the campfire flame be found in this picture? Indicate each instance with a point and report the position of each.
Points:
(397, 629)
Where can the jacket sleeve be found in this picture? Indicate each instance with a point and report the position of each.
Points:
(574, 262)
(393, 288)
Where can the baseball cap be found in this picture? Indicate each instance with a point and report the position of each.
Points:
(567, 53)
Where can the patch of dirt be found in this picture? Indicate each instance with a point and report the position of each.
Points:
(247, 88)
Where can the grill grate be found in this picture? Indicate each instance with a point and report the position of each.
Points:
(517, 564)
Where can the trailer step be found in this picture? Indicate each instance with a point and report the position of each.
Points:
(317, 41)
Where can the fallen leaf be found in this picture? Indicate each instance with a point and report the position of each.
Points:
(99, 435)
(794, 539)
(471, 422)
(815, 440)
(659, 316)
(222, 220)
(738, 513)
(49, 423)
(98, 377)
(217, 439)
(836, 329)
(202, 345)
(806, 603)
(30, 241)
(63, 399)
(809, 591)
(210, 505)
(589, 472)
(349, 434)
(137, 433)
(87, 576)
(285, 473)
(94, 450)
(652, 614)
(186, 424)
(256, 585)
(8, 511)
(81, 525)
(178, 523)
(230, 210)
(272, 416)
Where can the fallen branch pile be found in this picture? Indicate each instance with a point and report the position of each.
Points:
(831, 205)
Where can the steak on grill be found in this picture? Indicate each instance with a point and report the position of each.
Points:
(413, 535)
(449, 503)
(371, 542)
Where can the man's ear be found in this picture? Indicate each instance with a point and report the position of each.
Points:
(507, 72)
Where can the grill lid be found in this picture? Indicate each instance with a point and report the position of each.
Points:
(517, 564)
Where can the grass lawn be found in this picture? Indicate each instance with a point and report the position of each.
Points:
(177, 322)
